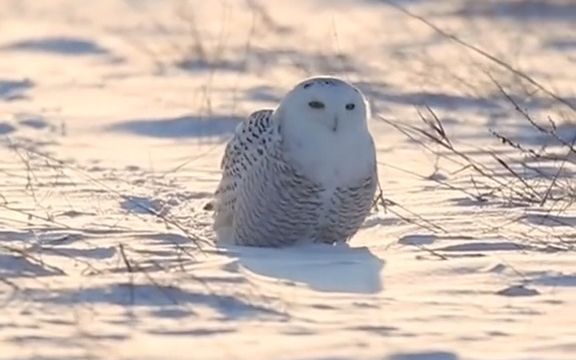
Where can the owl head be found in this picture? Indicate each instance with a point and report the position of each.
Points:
(324, 104)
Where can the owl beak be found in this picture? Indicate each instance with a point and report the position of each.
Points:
(335, 124)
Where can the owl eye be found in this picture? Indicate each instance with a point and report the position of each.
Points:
(316, 104)
(350, 106)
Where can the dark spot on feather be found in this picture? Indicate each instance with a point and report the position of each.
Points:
(209, 206)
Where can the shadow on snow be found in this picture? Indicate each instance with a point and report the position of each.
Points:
(186, 126)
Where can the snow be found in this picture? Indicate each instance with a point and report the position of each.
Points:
(113, 119)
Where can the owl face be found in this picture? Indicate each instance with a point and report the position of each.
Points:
(326, 104)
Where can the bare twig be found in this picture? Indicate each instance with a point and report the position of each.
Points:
(456, 39)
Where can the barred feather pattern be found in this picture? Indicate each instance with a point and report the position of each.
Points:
(267, 202)
(253, 140)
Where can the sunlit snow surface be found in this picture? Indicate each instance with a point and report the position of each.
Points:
(113, 120)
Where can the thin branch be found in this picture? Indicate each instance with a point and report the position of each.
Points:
(482, 53)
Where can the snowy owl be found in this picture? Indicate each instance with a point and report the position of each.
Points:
(305, 172)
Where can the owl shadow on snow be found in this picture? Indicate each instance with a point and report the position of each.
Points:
(320, 267)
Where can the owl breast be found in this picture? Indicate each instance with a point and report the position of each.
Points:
(287, 207)
(331, 159)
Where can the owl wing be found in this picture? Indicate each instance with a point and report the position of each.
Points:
(253, 140)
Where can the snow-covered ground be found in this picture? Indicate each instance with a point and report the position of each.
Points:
(113, 119)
